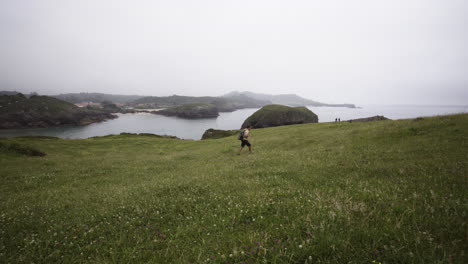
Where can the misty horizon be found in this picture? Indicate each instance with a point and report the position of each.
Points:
(359, 52)
(149, 95)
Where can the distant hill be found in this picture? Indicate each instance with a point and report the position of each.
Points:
(227, 103)
(244, 101)
(19, 111)
(222, 104)
(8, 93)
(285, 99)
(76, 98)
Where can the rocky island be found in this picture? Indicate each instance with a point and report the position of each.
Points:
(280, 115)
(19, 111)
(191, 111)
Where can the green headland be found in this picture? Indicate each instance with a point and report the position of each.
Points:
(19, 111)
(376, 192)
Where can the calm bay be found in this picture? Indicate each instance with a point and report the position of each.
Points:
(193, 129)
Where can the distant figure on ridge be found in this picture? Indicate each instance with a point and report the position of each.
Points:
(244, 136)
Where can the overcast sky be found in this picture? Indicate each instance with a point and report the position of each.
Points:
(334, 51)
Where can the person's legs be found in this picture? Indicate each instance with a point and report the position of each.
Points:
(242, 146)
(249, 145)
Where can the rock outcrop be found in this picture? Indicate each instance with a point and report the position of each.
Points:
(369, 119)
(215, 133)
(280, 115)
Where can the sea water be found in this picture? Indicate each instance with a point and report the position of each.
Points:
(194, 128)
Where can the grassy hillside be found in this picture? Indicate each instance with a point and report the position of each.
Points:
(38, 104)
(19, 111)
(378, 192)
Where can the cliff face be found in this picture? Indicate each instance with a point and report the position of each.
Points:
(280, 115)
(17, 111)
(191, 111)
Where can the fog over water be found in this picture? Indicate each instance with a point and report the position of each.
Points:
(336, 51)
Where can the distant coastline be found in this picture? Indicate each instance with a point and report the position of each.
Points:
(193, 129)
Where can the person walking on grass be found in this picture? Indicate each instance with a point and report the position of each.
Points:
(244, 138)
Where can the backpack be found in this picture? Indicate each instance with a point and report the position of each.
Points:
(241, 135)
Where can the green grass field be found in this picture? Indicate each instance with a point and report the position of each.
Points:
(378, 192)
